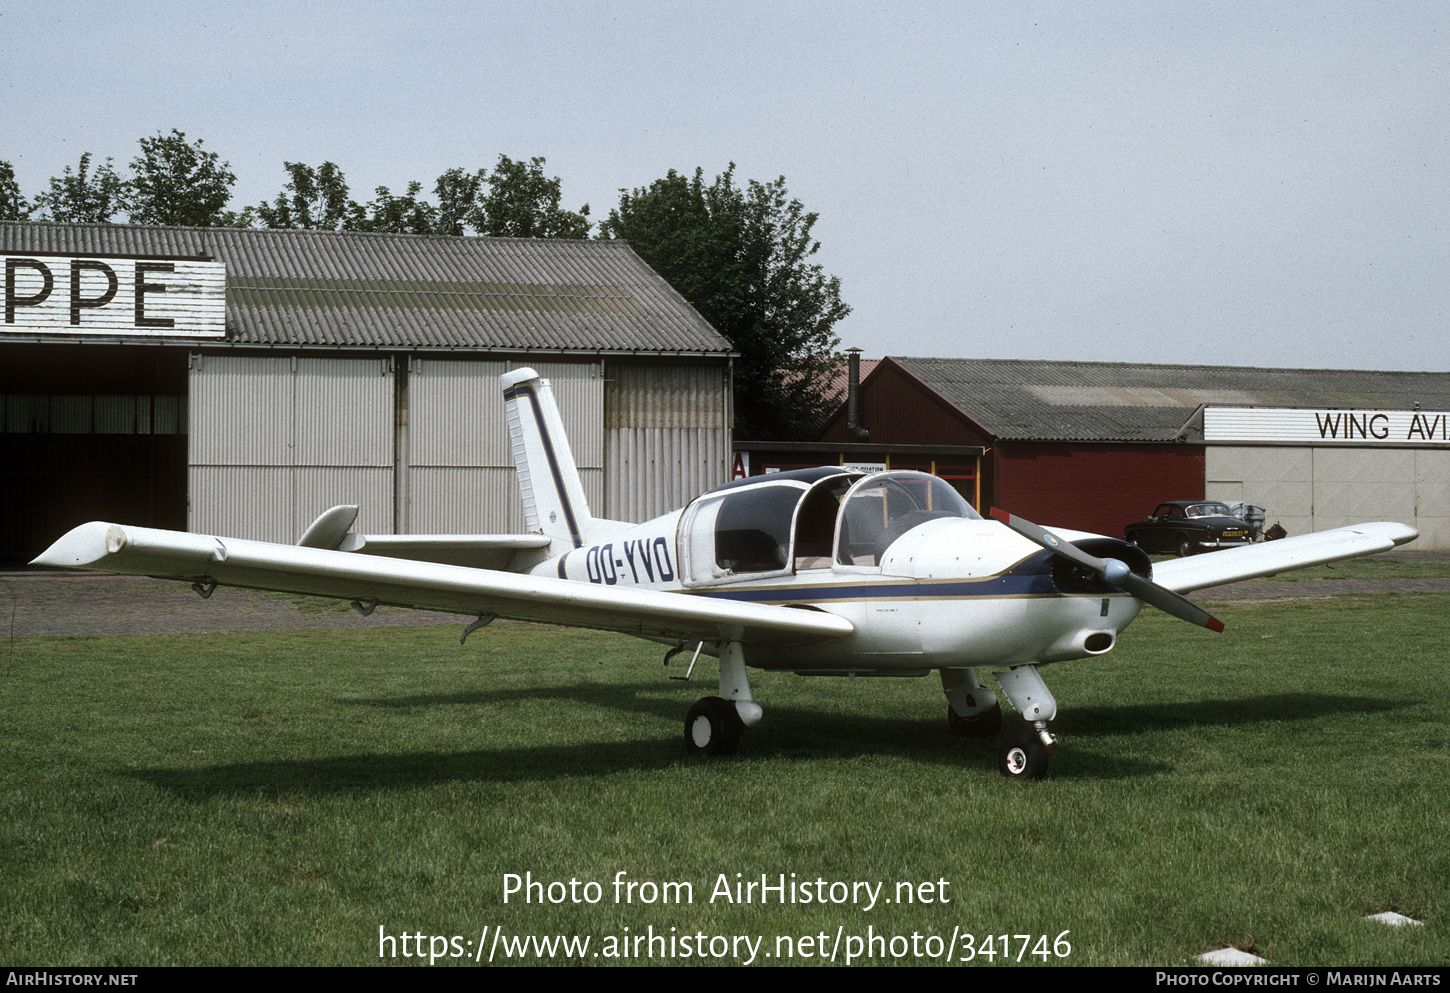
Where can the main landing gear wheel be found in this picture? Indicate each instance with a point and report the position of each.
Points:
(1022, 757)
(712, 727)
(987, 724)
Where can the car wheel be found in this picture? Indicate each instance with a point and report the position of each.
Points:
(1184, 548)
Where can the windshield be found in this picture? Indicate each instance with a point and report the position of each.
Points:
(1209, 510)
(885, 506)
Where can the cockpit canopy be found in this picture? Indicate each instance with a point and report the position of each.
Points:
(883, 507)
(777, 524)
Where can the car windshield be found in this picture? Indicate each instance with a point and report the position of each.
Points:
(1209, 510)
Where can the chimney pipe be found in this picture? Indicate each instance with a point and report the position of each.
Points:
(853, 395)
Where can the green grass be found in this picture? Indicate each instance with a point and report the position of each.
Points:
(275, 798)
(304, 604)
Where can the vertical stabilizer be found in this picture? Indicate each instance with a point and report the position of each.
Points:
(554, 501)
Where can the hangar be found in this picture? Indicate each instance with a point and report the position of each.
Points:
(239, 381)
(1096, 446)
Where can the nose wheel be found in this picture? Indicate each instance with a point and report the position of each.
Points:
(1023, 756)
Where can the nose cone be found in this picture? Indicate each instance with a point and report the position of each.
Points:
(1117, 571)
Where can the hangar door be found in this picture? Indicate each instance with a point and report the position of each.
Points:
(275, 441)
(455, 466)
(419, 444)
(1314, 488)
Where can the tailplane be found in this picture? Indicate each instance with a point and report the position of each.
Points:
(553, 494)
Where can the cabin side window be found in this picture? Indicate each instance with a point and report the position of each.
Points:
(752, 531)
(740, 533)
(815, 522)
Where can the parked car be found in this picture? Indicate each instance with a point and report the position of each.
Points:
(1188, 527)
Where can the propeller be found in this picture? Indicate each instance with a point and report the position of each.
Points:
(1115, 572)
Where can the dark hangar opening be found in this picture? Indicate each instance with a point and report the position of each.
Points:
(89, 433)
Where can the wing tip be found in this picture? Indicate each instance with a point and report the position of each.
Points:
(83, 546)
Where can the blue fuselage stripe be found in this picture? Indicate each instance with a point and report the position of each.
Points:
(995, 586)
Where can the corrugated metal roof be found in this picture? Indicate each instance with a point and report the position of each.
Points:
(1118, 401)
(412, 291)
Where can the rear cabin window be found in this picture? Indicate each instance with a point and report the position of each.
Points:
(752, 530)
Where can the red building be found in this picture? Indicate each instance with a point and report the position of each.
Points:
(1097, 445)
(1079, 445)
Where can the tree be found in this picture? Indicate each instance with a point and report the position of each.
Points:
(313, 199)
(457, 192)
(13, 206)
(523, 203)
(741, 257)
(82, 196)
(244, 218)
(404, 214)
(520, 202)
(178, 184)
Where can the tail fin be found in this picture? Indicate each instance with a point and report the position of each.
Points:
(554, 501)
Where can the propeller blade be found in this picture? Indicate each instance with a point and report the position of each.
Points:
(1169, 602)
(1114, 572)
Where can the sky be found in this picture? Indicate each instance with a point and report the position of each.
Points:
(1258, 184)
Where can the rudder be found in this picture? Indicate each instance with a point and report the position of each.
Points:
(553, 494)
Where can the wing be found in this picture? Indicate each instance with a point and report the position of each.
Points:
(433, 586)
(1269, 557)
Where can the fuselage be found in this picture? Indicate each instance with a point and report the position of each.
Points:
(950, 592)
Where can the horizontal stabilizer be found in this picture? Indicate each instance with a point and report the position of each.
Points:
(399, 582)
(508, 552)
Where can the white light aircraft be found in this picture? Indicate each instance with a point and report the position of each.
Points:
(823, 572)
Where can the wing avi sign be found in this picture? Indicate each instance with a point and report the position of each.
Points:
(114, 295)
(1351, 426)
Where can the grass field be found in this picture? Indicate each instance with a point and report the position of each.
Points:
(279, 798)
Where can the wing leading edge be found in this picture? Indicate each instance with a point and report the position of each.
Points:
(1267, 558)
(432, 586)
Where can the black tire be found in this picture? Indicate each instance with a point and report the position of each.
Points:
(1136, 539)
(1184, 548)
(1022, 757)
(712, 727)
(987, 724)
